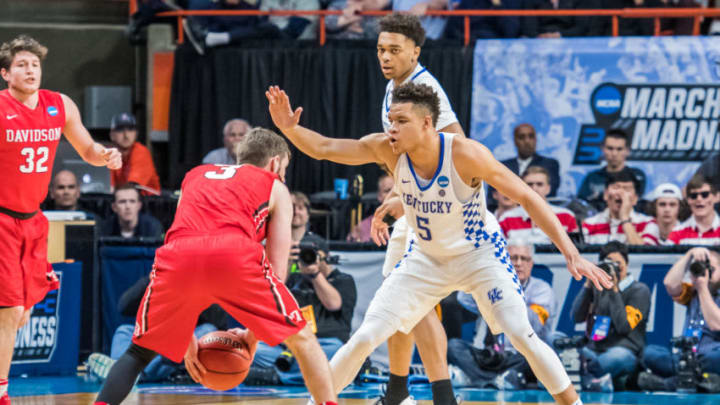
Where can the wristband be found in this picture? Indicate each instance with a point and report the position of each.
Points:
(625, 221)
(313, 276)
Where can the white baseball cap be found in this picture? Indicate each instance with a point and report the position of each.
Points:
(666, 190)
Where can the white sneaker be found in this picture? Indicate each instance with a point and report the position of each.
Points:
(99, 365)
(407, 401)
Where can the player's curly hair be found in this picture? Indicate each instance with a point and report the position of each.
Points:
(8, 50)
(406, 24)
(259, 145)
(420, 95)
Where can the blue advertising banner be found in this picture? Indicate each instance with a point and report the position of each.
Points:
(49, 342)
(664, 92)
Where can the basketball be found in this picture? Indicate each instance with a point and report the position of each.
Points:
(226, 359)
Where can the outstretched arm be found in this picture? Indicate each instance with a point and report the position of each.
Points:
(79, 137)
(372, 148)
(474, 161)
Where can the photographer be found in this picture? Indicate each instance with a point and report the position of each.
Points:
(325, 295)
(615, 319)
(702, 319)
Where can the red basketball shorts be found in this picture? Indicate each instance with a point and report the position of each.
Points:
(25, 274)
(191, 273)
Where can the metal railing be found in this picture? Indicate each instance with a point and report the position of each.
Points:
(615, 14)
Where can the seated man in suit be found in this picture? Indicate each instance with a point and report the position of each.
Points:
(525, 142)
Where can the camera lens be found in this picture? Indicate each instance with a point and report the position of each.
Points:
(308, 256)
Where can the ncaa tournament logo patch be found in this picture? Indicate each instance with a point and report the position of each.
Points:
(443, 181)
(52, 111)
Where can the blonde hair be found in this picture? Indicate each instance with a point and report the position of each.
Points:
(259, 145)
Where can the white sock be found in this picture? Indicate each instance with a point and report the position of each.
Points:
(3, 386)
(217, 38)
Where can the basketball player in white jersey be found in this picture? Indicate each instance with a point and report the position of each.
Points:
(399, 43)
(458, 243)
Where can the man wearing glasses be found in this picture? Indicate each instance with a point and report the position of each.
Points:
(703, 226)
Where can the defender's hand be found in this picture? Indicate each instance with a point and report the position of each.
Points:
(379, 230)
(112, 158)
(280, 110)
(579, 267)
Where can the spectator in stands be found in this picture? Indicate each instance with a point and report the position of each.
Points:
(361, 233)
(702, 319)
(486, 27)
(616, 321)
(476, 364)
(710, 168)
(616, 148)
(349, 24)
(294, 27)
(619, 221)
(666, 202)
(434, 26)
(211, 31)
(127, 220)
(526, 142)
(327, 298)
(159, 369)
(516, 223)
(504, 204)
(233, 132)
(138, 166)
(703, 226)
(300, 232)
(64, 192)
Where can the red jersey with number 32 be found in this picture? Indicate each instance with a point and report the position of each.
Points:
(222, 198)
(28, 141)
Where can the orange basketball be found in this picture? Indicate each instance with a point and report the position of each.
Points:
(226, 358)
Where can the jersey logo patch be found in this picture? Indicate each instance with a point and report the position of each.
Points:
(52, 111)
(495, 295)
(443, 181)
(10, 116)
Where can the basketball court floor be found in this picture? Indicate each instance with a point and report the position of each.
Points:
(80, 391)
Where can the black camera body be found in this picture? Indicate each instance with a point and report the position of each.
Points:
(309, 254)
(698, 267)
(688, 368)
(610, 267)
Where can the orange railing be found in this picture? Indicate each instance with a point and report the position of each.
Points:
(615, 14)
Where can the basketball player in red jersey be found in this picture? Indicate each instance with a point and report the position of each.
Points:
(31, 122)
(213, 253)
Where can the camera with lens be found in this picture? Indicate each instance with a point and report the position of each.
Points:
(489, 359)
(285, 361)
(610, 267)
(698, 267)
(309, 254)
(688, 367)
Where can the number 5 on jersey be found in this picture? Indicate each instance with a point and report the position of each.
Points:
(423, 231)
(35, 160)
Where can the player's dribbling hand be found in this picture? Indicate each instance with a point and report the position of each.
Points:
(248, 337)
(192, 363)
(580, 267)
(282, 114)
(112, 158)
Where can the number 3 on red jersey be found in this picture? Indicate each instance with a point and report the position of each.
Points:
(225, 172)
(35, 159)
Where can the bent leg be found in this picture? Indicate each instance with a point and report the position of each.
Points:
(123, 374)
(542, 359)
(313, 365)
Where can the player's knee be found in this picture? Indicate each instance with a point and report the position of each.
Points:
(363, 342)
(141, 354)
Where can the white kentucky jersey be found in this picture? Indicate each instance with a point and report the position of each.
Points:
(448, 216)
(421, 76)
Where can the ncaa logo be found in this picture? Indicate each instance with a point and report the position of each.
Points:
(52, 111)
(607, 100)
(443, 181)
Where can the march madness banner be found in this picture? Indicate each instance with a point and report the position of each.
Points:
(662, 91)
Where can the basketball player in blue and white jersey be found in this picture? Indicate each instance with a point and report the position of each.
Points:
(458, 243)
(399, 44)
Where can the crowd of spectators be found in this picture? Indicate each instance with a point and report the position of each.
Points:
(212, 31)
